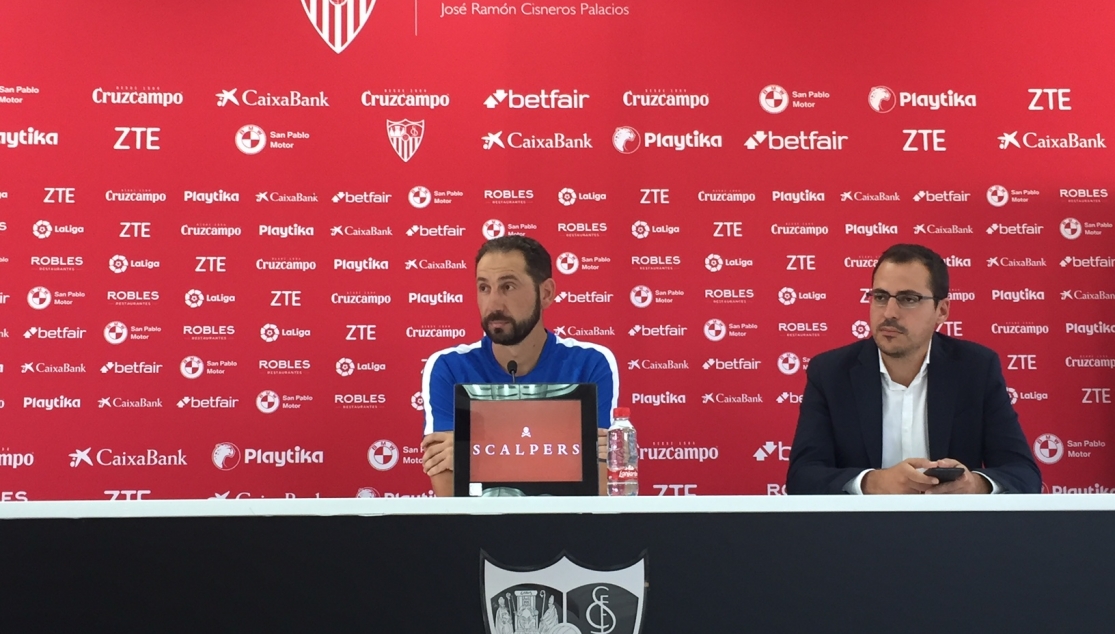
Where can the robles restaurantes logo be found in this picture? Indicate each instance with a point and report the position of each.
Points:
(338, 22)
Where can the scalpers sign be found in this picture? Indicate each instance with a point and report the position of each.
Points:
(563, 598)
(338, 22)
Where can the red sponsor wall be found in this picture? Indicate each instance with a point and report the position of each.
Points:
(228, 243)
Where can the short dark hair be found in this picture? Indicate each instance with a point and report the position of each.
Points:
(938, 270)
(539, 265)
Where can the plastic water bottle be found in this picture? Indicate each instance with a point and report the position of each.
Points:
(623, 455)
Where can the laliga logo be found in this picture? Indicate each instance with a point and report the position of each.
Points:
(861, 330)
(787, 296)
(774, 99)
(383, 455)
(1071, 228)
(345, 367)
(39, 297)
(191, 367)
(42, 229)
(567, 263)
(226, 456)
(998, 195)
(640, 229)
(118, 264)
(194, 298)
(715, 330)
(267, 402)
(417, 402)
(251, 139)
(269, 333)
(338, 22)
(493, 229)
(626, 140)
(641, 296)
(116, 333)
(567, 196)
(419, 197)
(881, 99)
(714, 263)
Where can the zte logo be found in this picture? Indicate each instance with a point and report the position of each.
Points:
(60, 195)
(145, 139)
(801, 263)
(934, 139)
(286, 298)
(949, 328)
(210, 264)
(727, 230)
(1049, 99)
(361, 332)
(135, 230)
(1022, 362)
(675, 489)
(655, 196)
(127, 494)
(1096, 395)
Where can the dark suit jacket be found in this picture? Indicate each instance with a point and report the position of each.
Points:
(970, 418)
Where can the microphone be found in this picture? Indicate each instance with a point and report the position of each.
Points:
(512, 368)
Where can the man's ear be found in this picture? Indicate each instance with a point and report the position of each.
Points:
(547, 290)
(942, 311)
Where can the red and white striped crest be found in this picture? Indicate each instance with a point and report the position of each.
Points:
(405, 136)
(338, 22)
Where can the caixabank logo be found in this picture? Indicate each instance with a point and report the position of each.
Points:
(338, 22)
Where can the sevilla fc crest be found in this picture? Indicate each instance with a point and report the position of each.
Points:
(338, 22)
(563, 598)
(405, 136)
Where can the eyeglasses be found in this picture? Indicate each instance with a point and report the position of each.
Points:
(906, 299)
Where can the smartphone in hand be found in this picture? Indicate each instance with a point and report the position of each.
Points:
(945, 474)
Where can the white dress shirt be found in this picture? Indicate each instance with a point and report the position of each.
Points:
(905, 422)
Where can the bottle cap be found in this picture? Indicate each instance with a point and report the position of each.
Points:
(621, 412)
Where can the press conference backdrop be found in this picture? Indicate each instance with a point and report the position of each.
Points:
(232, 232)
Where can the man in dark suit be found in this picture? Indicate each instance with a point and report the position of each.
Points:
(877, 413)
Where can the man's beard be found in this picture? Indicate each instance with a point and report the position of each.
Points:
(900, 352)
(514, 334)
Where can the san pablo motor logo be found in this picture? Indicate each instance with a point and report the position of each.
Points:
(563, 598)
(338, 22)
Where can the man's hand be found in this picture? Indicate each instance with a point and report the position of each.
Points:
(602, 445)
(903, 477)
(438, 453)
(967, 483)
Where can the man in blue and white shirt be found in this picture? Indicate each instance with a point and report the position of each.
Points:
(514, 284)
